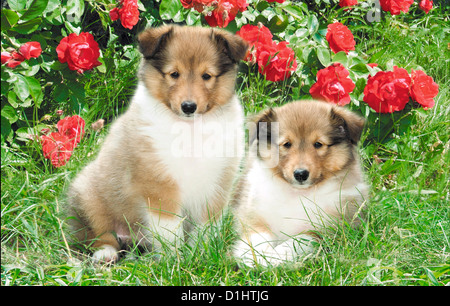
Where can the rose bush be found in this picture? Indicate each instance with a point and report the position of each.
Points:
(51, 50)
(276, 61)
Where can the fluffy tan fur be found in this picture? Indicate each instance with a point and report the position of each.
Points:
(271, 204)
(112, 197)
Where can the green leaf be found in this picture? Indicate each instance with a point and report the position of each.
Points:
(193, 18)
(26, 86)
(9, 19)
(53, 12)
(17, 5)
(5, 127)
(377, 56)
(313, 24)
(431, 277)
(27, 27)
(293, 10)
(12, 98)
(323, 54)
(101, 68)
(72, 28)
(360, 69)
(9, 113)
(35, 90)
(262, 5)
(301, 33)
(75, 9)
(278, 23)
(341, 57)
(305, 54)
(21, 88)
(168, 9)
(60, 93)
(36, 8)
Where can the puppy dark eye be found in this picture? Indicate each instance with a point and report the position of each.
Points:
(175, 75)
(318, 145)
(206, 76)
(287, 145)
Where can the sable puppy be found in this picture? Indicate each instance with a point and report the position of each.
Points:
(164, 160)
(304, 171)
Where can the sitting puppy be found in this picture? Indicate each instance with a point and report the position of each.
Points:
(303, 172)
(174, 154)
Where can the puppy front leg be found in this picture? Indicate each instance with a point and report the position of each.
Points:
(263, 249)
(300, 245)
(107, 249)
(165, 231)
(257, 249)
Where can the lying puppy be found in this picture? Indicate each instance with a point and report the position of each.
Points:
(167, 159)
(305, 172)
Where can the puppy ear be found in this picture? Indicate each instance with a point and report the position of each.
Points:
(153, 40)
(349, 124)
(230, 44)
(262, 127)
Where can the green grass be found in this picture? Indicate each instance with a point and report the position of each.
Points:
(405, 239)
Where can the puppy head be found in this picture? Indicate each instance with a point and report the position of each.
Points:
(190, 69)
(314, 141)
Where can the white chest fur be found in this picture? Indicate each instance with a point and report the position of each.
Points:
(290, 211)
(195, 151)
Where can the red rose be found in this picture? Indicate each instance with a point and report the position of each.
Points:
(388, 91)
(276, 61)
(30, 49)
(395, 6)
(423, 89)
(13, 60)
(56, 147)
(426, 5)
(81, 52)
(72, 128)
(346, 3)
(114, 14)
(333, 85)
(6, 57)
(129, 13)
(224, 11)
(254, 35)
(340, 38)
(26, 51)
(372, 65)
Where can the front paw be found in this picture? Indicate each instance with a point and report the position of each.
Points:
(260, 256)
(107, 254)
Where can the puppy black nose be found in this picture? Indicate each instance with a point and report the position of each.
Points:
(301, 175)
(188, 107)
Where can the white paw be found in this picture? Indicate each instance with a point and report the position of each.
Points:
(265, 255)
(106, 254)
